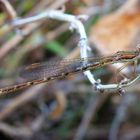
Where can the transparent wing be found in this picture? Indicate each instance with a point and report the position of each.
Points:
(54, 68)
(45, 70)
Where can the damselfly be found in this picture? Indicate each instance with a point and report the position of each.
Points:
(41, 73)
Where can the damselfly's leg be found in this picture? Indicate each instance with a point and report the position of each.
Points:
(135, 67)
(125, 79)
(122, 74)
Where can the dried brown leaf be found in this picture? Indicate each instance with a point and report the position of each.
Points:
(116, 32)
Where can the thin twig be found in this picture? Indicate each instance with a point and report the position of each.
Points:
(120, 115)
(9, 9)
(83, 42)
(93, 106)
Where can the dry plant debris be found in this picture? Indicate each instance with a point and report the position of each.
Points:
(117, 31)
